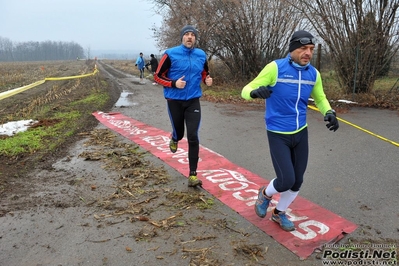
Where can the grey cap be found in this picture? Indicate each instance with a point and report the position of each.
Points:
(188, 28)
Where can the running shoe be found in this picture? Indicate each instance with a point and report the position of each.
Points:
(283, 221)
(173, 145)
(193, 180)
(262, 203)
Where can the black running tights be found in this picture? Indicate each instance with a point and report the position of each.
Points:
(188, 113)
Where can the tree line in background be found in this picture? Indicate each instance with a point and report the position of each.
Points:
(360, 38)
(39, 51)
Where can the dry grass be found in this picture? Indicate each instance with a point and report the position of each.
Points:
(18, 74)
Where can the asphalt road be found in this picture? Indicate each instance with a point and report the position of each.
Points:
(351, 172)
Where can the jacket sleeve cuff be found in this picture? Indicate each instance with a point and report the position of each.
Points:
(246, 93)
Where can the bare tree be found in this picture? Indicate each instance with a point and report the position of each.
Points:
(88, 52)
(362, 37)
(243, 34)
(253, 33)
(175, 15)
(6, 48)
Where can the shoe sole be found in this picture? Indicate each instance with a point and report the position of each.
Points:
(195, 185)
(261, 216)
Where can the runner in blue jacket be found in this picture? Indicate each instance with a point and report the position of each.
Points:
(181, 71)
(140, 63)
(287, 84)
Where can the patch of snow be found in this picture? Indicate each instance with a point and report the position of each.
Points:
(346, 101)
(14, 127)
(341, 101)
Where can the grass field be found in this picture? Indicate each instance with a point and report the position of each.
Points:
(62, 108)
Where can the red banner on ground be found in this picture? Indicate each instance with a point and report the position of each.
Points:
(238, 188)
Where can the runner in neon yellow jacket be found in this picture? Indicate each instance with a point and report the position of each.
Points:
(292, 87)
(287, 84)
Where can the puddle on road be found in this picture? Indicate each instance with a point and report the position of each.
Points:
(126, 99)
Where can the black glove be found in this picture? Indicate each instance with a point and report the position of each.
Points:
(262, 92)
(332, 119)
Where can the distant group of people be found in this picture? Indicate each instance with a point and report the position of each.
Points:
(141, 65)
(285, 84)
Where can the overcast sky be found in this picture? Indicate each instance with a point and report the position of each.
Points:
(122, 25)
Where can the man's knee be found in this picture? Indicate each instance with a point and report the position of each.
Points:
(192, 139)
(297, 186)
(283, 185)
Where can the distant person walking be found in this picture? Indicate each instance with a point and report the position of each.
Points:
(287, 85)
(181, 70)
(140, 63)
(154, 65)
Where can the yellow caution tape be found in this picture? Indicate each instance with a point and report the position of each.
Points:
(360, 128)
(12, 92)
(73, 77)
